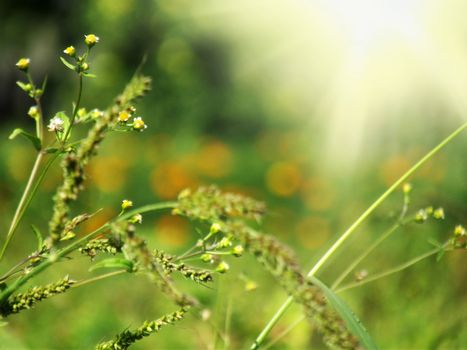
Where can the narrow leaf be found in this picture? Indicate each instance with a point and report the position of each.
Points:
(89, 75)
(68, 64)
(40, 240)
(113, 263)
(354, 324)
(35, 141)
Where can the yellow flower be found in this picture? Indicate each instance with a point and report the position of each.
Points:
(138, 124)
(91, 40)
(459, 230)
(123, 116)
(223, 267)
(126, 204)
(23, 64)
(407, 188)
(70, 51)
(237, 250)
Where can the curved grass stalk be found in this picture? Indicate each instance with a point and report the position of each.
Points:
(389, 272)
(352, 228)
(75, 245)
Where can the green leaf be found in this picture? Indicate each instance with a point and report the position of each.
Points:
(38, 234)
(113, 263)
(89, 75)
(68, 64)
(354, 324)
(23, 86)
(44, 83)
(36, 142)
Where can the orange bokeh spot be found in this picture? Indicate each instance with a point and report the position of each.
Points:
(283, 178)
(169, 178)
(108, 174)
(172, 230)
(393, 168)
(214, 160)
(98, 220)
(317, 193)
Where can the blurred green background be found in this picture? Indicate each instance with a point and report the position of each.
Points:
(315, 109)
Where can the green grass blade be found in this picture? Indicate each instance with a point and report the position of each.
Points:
(353, 323)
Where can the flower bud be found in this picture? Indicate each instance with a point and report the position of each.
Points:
(459, 230)
(33, 112)
(223, 267)
(421, 216)
(238, 250)
(70, 51)
(215, 228)
(439, 214)
(126, 204)
(23, 64)
(91, 40)
(139, 124)
(206, 257)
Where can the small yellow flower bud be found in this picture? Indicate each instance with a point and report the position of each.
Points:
(96, 113)
(459, 230)
(136, 219)
(33, 112)
(85, 66)
(439, 214)
(238, 250)
(126, 204)
(421, 216)
(215, 228)
(223, 267)
(406, 188)
(91, 40)
(123, 116)
(82, 112)
(429, 210)
(138, 124)
(224, 243)
(250, 286)
(70, 51)
(23, 64)
(206, 257)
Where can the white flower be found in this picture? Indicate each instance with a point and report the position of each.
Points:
(55, 124)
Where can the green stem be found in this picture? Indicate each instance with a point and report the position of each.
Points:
(73, 246)
(352, 229)
(98, 278)
(284, 332)
(75, 109)
(390, 271)
(357, 261)
(22, 203)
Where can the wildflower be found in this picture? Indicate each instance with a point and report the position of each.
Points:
(96, 113)
(407, 188)
(136, 219)
(459, 230)
(123, 116)
(215, 227)
(84, 66)
(223, 267)
(421, 216)
(91, 40)
(55, 124)
(33, 112)
(224, 243)
(206, 257)
(439, 214)
(23, 64)
(70, 51)
(238, 250)
(138, 124)
(126, 204)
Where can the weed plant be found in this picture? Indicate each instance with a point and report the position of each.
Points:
(230, 232)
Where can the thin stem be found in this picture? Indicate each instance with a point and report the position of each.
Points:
(390, 271)
(357, 261)
(75, 109)
(98, 278)
(285, 332)
(22, 203)
(353, 227)
(54, 257)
